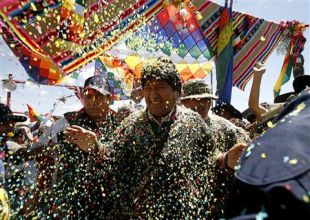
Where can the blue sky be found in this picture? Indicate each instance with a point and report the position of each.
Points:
(42, 98)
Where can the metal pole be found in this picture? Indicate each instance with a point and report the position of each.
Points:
(212, 105)
(8, 99)
(212, 80)
(9, 94)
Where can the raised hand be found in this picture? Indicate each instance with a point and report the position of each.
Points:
(234, 154)
(86, 140)
(259, 69)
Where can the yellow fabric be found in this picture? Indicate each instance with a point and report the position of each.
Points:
(207, 67)
(224, 37)
(135, 63)
(67, 45)
(279, 82)
(5, 208)
(68, 4)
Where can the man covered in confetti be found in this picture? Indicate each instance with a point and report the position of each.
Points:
(159, 163)
(7, 124)
(77, 191)
(197, 95)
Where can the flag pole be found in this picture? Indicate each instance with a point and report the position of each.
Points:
(211, 79)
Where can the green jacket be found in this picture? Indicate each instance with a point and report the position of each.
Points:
(225, 135)
(159, 171)
(78, 192)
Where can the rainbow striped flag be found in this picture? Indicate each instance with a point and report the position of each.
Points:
(296, 46)
(285, 73)
(254, 39)
(224, 58)
(34, 115)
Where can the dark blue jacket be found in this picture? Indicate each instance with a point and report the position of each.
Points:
(273, 179)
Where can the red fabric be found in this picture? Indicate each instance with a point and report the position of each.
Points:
(6, 3)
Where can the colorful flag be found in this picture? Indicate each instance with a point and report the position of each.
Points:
(54, 38)
(174, 32)
(295, 47)
(285, 73)
(34, 114)
(224, 58)
(254, 39)
(118, 74)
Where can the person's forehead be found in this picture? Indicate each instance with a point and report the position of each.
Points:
(154, 81)
(201, 100)
(92, 92)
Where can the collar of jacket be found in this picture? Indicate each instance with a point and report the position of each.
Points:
(170, 117)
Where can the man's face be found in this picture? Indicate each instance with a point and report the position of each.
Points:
(201, 106)
(96, 104)
(20, 136)
(6, 129)
(159, 97)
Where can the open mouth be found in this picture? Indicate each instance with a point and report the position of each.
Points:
(155, 103)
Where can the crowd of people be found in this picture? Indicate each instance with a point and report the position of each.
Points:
(169, 156)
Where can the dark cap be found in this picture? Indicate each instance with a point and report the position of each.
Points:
(7, 115)
(197, 89)
(284, 97)
(278, 161)
(301, 82)
(99, 84)
(274, 171)
(227, 107)
(161, 68)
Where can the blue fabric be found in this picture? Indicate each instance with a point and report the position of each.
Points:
(224, 69)
(286, 147)
(274, 173)
(225, 93)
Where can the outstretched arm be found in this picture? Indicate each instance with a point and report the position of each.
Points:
(254, 106)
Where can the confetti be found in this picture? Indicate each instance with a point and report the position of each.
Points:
(286, 159)
(293, 161)
(261, 216)
(237, 167)
(298, 109)
(248, 153)
(288, 187)
(270, 124)
(251, 147)
(306, 198)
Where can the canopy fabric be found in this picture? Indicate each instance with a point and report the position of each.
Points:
(254, 39)
(172, 32)
(119, 75)
(55, 37)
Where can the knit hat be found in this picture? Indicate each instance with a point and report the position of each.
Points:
(161, 68)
